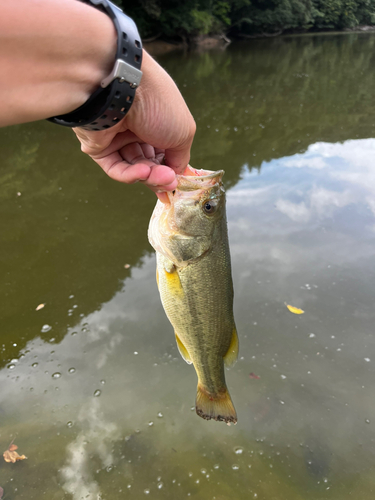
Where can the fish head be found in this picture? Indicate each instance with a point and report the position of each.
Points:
(186, 228)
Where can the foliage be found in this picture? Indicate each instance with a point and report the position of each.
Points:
(192, 18)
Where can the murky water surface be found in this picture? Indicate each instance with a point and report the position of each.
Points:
(93, 390)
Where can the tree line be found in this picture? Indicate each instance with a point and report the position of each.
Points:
(189, 19)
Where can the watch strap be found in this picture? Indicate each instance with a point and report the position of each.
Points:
(113, 99)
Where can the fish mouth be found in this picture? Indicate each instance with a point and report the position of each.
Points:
(194, 179)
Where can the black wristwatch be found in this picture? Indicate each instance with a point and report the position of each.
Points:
(110, 103)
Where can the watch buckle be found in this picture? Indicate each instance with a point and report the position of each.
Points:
(125, 73)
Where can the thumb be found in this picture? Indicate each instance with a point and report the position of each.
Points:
(178, 158)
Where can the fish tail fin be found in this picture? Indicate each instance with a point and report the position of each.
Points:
(215, 406)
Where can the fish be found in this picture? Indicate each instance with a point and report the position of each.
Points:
(190, 237)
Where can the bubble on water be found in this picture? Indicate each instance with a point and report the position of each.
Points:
(150, 424)
(203, 471)
(192, 408)
(283, 377)
(190, 474)
(11, 366)
(282, 402)
(75, 306)
(207, 476)
(136, 352)
(46, 328)
(197, 481)
(312, 335)
(52, 340)
(102, 382)
(56, 375)
(235, 467)
(109, 468)
(160, 415)
(71, 296)
(74, 333)
(158, 478)
(238, 450)
(146, 491)
(97, 393)
(71, 370)
(367, 421)
(69, 424)
(129, 486)
(216, 466)
(34, 365)
(367, 360)
(160, 485)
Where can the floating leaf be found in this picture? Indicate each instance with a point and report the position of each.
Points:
(293, 309)
(11, 456)
(40, 306)
(252, 375)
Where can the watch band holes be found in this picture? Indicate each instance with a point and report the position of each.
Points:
(124, 51)
(129, 98)
(137, 58)
(94, 123)
(115, 119)
(124, 36)
(117, 95)
(103, 117)
(112, 106)
(137, 44)
(95, 128)
(123, 111)
(106, 126)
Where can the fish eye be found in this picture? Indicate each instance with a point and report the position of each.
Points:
(210, 206)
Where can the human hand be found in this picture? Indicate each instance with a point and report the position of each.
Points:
(158, 128)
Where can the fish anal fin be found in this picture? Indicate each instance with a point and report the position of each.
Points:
(217, 407)
(231, 356)
(183, 351)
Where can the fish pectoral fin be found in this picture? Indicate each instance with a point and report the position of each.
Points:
(168, 265)
(183, 351)
(231, 356)
(215, 406)
(173, 282)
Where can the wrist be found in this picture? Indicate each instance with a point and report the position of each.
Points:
(111, 101)
(70, 48)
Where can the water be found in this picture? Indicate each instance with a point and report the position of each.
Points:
(290, 120)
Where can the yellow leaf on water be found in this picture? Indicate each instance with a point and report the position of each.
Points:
(40, 306)
(293, 309)
(11, 456)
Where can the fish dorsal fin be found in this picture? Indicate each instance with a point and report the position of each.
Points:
(231, 356)
(183, 351)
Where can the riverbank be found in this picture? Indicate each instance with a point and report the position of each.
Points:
(203, 43)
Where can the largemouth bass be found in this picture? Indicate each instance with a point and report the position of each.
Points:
(189, 235)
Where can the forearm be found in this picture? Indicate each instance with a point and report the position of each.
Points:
(53, 55)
